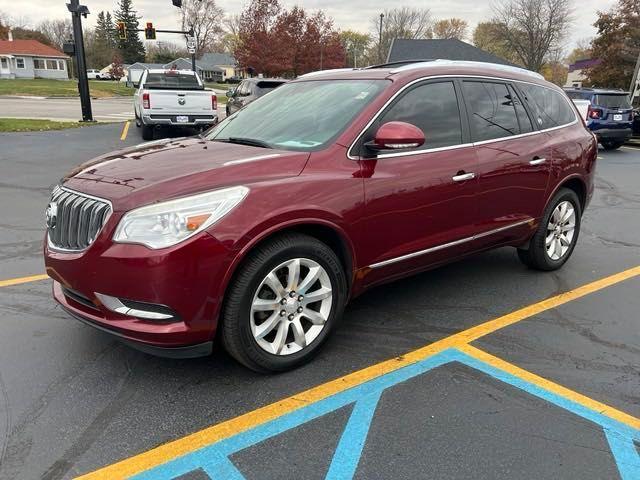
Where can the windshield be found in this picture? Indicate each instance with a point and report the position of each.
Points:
(612, 101)
(300, 116)
(172, 81)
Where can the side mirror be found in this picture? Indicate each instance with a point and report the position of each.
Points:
(230, 92)
(396, 136)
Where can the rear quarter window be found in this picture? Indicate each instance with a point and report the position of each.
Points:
(550, 108)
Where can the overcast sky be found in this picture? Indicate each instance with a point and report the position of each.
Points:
(348, 14)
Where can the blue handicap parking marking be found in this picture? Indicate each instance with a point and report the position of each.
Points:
(215, 458)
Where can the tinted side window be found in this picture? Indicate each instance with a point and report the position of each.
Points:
(523, 118)
(433, 108)
(491, 110)
(550, 108)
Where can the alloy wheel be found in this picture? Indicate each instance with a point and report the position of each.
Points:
(291, 306)
(560, 230)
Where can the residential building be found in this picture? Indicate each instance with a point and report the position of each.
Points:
(31, 59)
(576, 75)
(440, 49)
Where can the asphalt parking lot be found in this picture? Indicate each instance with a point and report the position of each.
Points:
(481, 369)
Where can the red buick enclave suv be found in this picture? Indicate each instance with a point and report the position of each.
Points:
(262, 229)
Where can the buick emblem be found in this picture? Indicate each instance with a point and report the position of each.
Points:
(182, 101)
(51, 215)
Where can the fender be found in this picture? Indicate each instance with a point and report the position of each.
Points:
(280, 225)
(560, 184)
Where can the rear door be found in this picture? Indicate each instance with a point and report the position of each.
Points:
(514, 160)
(421, 203)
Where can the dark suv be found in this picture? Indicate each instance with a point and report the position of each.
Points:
(260, 231)
(609, 115)
(249, 90)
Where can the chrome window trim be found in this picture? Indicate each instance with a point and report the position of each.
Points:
(462, 77)
(419, 253)
(51, 246)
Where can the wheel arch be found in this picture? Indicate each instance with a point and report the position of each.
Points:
(327, 232)
(575, 183)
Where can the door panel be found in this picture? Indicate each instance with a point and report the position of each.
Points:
(412, 201)
(514, 161)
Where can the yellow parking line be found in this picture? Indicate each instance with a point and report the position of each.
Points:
(18, 281)
(207, 436)
(125, 131)
(551, 386)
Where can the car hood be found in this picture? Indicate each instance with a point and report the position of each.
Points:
(165, 169)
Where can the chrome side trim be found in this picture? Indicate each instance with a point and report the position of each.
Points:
(350, 155)
(115, 305)
(447, 245)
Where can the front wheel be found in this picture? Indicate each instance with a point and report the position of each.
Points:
(557, 235)
(284, 302)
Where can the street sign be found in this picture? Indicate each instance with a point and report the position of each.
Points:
(191, 43)
(192, 51)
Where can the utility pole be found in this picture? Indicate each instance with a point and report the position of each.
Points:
(77, 12)
(634, 81)
(380, 40)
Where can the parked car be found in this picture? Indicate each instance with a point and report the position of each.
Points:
(609, 114)
(260, 231)
(94, 75)
(636, 123)
(249, 90)
(173, 98)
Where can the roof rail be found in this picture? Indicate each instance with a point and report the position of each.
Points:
(398, 63)
(332, 70)
(463, 63)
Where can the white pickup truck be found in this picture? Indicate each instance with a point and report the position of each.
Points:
(173, 98)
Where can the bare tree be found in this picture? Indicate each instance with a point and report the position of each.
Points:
(403, 22)
(451, 28)
(57, 31)
(533, 29)
(205, 18)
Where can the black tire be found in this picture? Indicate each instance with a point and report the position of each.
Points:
(536, 256)
(147, 132)
(235, 320)
(611, 145)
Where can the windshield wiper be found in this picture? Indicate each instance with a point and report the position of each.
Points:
(253, 142)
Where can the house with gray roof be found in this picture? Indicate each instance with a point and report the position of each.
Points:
(403, 49)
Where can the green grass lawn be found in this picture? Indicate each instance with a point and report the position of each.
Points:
(221, 86)
(29, 125)
(41, 87)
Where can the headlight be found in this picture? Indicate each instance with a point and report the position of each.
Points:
(167, 223)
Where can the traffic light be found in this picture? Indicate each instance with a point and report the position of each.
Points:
(150, 32)
(122, 30)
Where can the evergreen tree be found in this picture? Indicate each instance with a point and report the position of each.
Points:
(101, 46)
(131, 48)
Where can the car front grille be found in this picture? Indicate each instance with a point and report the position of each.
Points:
(75, 219)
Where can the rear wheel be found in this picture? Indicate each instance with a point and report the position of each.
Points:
(556, 237)
(283, 304)
(147, 132)
(611, 145)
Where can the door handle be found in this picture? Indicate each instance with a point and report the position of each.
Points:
(538, 161)
(461, 177)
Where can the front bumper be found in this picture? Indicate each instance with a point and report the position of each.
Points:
(185, 280)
